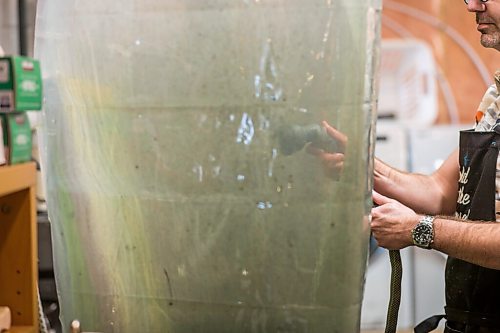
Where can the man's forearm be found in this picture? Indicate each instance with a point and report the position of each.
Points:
(474, 242)
(419, 192)
(425, 194)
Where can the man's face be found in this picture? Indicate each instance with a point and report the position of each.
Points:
(488, 21)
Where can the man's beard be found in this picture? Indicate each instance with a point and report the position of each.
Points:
(491, 40)
(490, 37)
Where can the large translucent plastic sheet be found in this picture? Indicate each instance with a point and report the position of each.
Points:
(182, 195)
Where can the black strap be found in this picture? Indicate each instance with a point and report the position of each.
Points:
(459, 316)
(472, 318)
(429, 324)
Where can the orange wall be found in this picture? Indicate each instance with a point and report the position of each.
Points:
(436, 22)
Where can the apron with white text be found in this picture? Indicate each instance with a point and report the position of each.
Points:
(472, 291)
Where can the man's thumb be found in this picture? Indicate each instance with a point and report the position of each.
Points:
(379, 199)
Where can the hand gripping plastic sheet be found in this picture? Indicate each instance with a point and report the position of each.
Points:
(208, 163)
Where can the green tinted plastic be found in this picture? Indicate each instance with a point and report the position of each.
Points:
(178, 202)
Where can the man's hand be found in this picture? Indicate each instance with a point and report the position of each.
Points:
(392, 223)
(332, 162)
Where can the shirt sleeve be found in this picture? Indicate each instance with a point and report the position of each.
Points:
(487, 113)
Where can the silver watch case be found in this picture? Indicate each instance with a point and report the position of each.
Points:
(423, 233)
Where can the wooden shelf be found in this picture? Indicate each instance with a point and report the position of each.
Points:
(23, 329)
(16, 178)
(18, 246)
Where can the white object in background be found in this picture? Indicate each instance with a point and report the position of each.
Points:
(35, 118)
(5, 318)
(407, 100)
(429, 284)
(2, 53)
(408, 88)
(41, 202)
(36, 123)
(443, 140)
(392, 144)
(392, 148)
(429, 148)
(378, 290)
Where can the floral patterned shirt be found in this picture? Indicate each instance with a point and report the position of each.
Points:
(487, 118)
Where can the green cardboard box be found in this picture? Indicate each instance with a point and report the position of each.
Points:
(20, 84)
(17, 136)
(2, 144)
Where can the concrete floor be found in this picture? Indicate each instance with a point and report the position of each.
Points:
(382, 331)
(411, 331)
(439, 330)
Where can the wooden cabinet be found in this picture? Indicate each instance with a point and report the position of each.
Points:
(18, 246)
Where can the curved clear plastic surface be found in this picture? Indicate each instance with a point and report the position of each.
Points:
(190, 180)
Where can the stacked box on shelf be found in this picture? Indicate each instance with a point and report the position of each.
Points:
(17, 137)
(20, 91)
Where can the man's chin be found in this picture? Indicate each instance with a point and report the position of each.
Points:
(490, 41)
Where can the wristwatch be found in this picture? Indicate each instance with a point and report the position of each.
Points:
(423, 233)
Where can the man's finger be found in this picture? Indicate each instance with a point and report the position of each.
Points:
(334, 133)
(379, 199)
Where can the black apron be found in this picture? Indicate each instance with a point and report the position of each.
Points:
(472, 291)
